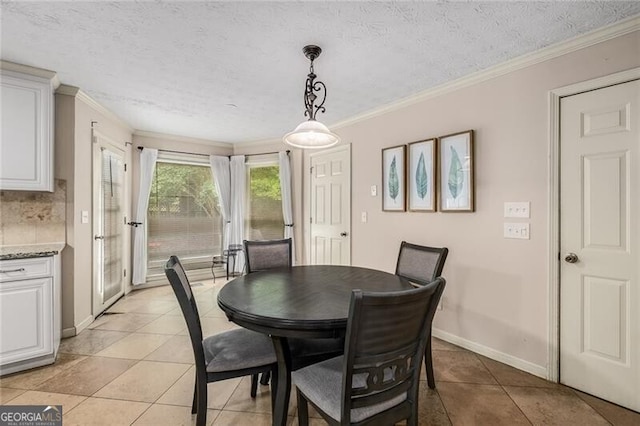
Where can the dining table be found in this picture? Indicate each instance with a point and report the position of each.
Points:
(299, 302)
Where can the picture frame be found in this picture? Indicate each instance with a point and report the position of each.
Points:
(422, 176)
(456, 172)
(394, 179)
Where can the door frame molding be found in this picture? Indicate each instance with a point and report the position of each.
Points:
(553, 228)
(307, 198)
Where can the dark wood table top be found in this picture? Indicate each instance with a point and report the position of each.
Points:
(303, 301)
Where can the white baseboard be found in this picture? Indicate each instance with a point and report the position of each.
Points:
(74, 331)
(68, 332)
(84, 324)
(520, 364)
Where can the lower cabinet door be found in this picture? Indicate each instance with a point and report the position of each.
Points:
(26, 319)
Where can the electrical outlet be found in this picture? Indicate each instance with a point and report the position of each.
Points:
(516, 230)
(517, 209)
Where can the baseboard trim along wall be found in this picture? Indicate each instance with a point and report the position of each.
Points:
(74, 331)
(520, 364)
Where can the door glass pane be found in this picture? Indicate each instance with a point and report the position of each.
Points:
(183, 217)
(264, 206)
(112, 223)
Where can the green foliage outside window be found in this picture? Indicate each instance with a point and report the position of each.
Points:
(183, 217)
(173, 183)
(265, 204)
(265, 183)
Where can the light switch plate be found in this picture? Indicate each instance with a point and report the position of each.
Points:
(517, 209)
(374, 190)
(516, 230)
(363, 217)
(84, 216)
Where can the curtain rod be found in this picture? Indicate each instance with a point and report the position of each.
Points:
(192, 153)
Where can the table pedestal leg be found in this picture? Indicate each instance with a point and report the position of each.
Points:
(283, 391)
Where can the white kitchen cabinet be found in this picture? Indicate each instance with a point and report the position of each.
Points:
(29, 313)
(26, 139)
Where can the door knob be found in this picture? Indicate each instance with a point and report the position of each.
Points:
(571, 258)
(98, 237)
(343, 234)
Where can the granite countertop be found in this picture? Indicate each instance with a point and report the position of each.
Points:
(30, 250)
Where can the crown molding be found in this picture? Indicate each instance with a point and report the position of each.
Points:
(32, 71)
(65, 89)
(76, 92)
(600, 35)
(185, 139)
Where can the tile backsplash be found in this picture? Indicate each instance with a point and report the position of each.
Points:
(33, 217)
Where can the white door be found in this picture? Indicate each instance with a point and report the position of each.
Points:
(108, 224)
(600, 243)
(331, 207)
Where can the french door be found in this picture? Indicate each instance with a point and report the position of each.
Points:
(108, 223)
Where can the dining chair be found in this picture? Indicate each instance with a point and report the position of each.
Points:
(421, 265)
(263, 255)
(376, 381)
(234, 353)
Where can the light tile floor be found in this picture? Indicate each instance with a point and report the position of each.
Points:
(134, 366)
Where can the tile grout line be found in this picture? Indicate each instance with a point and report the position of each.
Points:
(444, 407)
(575, 392)
(504, 390)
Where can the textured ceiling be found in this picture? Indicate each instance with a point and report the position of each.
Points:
(235, 72)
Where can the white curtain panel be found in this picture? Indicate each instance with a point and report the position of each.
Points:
(238, 189)
(222, 180)
(148, 158)
(287, 201)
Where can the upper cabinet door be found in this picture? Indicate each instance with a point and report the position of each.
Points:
(26, 141)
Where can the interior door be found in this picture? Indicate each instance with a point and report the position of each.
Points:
(109, 222)
(599, 241)
(331, 207)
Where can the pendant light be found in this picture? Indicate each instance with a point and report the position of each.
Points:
(312, 134)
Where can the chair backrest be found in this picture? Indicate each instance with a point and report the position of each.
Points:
(385, 343)
(420, 264)
(180, 284)
(267, 254)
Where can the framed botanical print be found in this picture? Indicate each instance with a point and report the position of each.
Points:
(456, 172)
(421, 184)
(393, 179)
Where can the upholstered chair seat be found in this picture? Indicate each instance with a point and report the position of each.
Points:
(237, 349)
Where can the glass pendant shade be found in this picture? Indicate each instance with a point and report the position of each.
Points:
(311, 134)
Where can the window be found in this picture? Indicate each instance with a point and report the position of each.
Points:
(264, 201)
(183, 216)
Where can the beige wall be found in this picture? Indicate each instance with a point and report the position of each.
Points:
(496, 293)
(74, 158)
(64, 148)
